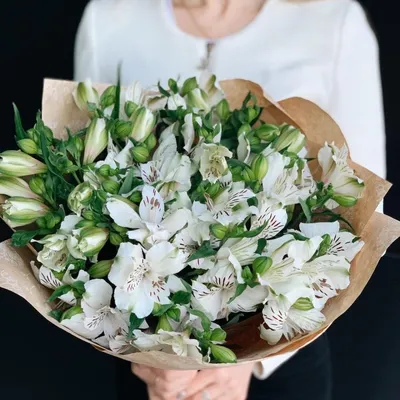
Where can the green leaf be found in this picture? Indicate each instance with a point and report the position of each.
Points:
(298, 236)
(306, 210)
(234, 320)
(79, 288)
(22, 238)
(205, 321)
(239, 290)
(59, 292)
(236, 163)
(19, 130)
(134, 323)
(174, 313)
(248, 234)
(259, 148)
(126, 187)
(161, 309)
(115, 111)
(56, 314)
(173, 85)
(261, 245)
(181, 297)
(162, 90)
(204, 251)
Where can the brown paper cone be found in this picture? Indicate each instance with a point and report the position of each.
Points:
(376, 230)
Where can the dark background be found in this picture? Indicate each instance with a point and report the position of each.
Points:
(40, 361)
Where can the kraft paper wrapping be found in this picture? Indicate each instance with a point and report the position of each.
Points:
(376, 230)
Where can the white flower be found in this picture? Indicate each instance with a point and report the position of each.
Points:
(283, 184)
(143, 123)
(270, 213)
(207, 83)
(213, 298)
(54, 254)
(149, 225)
(47, 278)
(188, 131)
(168, 342)
(169, 169)
(79, 197)
(20, 211)
(342, 243)
(213, 164)
(115, 158)
(336, 172)
(13, 186)
(284, 318)
(175, 101)
(140, 279)
(249, 300)
(95, 140)
(244, 148)
(17, 163)
(238, 253)
(221, 208)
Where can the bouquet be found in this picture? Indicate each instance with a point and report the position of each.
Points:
(189, 225)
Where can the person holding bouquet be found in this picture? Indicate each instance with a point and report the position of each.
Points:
(321, 50)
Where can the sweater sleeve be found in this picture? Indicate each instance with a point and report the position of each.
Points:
(85, 57)
(357, 104)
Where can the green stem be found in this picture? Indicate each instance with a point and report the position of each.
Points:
(76, 177)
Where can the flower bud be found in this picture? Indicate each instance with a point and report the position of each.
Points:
(32, 134)
(244, 129)
(259, 167)
(222, 354)
(123, 129)
(37, 185)
(52, 219)
(13, 186)
(325, 244)
(136, 197)
(89, 215)
(17, 163)
(140, 154)
(248, 175)
(111, 186)
(218, 335)
(174, 313)
(253, 140)
(219, 230)
(84, 94)
(100, 269)
(119, 229)
(247, 275)
(251, 114)
(198, 98)
(68, 314)
(28, 146)
(345, 200)
(115, 239)
(95, 141)
(143, 123)
(290, 139)
(172, 84)
(19, 211)
(41, 223)
(222, 110)
(213, 189)
(261, 265)
(189, 85)
(85, 223)
(151, 142)
(79, 144)
(104, 170)
(107, 98)
(130, 108)
(92, 240)
(303, 304)
(79, 197)
(267, 132)
(290, 212)
(164, 324)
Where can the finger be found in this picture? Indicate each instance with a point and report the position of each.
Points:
(153, 395)
(203, 379)
(145, 374)
(214, 392)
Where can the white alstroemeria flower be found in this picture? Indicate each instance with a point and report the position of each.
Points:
(207, 83)
(238, 253)
(270, 213)
(188, 240)
(175, 101)
(343, 243)
(302, 251)
(249, 300)
(169, 169)
(221, 209)
(188, 131)
(115, 158)
(213, 164)
(284, 317)
(283, 184)
(150, 226)
(140, 279)
(168, 342)
(336, 172)
(54, 254)
(47, 278)
(213, 290)
(244, 148)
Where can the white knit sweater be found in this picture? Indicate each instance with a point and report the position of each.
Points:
(324, 51)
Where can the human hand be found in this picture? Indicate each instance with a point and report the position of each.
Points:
(165, 384)
(230, 383)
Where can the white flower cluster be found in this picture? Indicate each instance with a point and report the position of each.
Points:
(183, 215)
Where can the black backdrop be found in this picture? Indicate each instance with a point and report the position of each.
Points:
(39, 361)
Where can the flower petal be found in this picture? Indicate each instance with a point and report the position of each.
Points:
(302, 251)
(149, 173)
(249, 300)
(306, 321)
(156, 288)
(207, 300)
(272, 337)
(76, 324)
(345, 244)
(68, 225)
(243, 149)
(137, 302)
(319, 228)
(47, 278)
(188, 132)
(97, 294)
(123, 213)
(151, 207)
(275, 312)
(165, 259)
